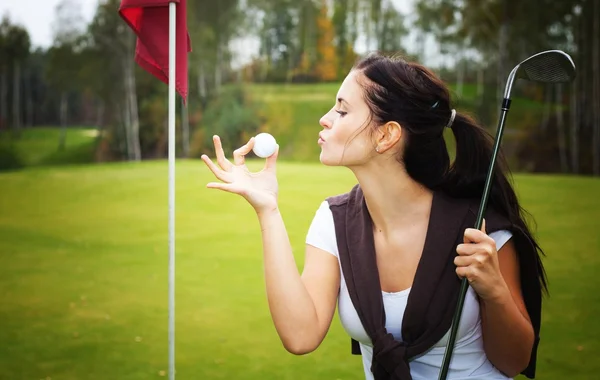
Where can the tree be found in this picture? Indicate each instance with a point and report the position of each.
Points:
(326, 67)
(279, 39)
(61, 60)
(307, 44)
(392, 29)
(63, 63)
(440, 18)
(16, 47)
(113, 43)
(342, 40)
(533, 26)
(212, 27)
(5, 27)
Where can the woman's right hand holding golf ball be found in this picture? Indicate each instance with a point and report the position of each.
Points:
(259, 189)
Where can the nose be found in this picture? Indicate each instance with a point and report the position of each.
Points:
(325, 121)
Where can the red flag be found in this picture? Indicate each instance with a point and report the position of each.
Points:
(149, 19)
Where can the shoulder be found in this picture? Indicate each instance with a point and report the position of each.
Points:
(323, 222)
(342, 199)
(321, 232)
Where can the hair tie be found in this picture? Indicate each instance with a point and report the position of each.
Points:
(449, 125)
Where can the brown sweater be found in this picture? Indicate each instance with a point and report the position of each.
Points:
(434, 293)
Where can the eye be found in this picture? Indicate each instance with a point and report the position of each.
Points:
(342, 113)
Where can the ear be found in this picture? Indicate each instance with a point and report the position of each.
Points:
(387, 136)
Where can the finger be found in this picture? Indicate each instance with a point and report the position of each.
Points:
(477, 260)
(271, 163)
(220, 174)
(223, 162)
(240, 153)
(481, 253)
(483, 225)
(469, 273)
(463, 261)
(225, 187)
(475, 236)
(467, 249)
(463, 272)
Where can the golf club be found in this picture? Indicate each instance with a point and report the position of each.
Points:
(552, 66)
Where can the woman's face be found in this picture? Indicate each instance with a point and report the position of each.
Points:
(345, 139)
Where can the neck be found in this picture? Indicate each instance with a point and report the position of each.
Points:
(393, 198)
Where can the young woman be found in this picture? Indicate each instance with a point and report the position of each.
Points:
(391, 252)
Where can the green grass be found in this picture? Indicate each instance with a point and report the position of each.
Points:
(83, 275)
(39, 146)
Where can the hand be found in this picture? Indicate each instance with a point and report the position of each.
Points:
(477, 260)
(259, 189)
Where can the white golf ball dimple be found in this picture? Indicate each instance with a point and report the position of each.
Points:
(264, 145)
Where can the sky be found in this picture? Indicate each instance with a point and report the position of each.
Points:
(38, 16)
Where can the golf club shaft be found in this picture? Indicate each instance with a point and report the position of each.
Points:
(464, 286)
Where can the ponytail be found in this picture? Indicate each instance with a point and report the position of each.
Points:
(467, 174)
(474, 147)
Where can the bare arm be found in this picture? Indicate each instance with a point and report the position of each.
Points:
(302, 306)
(507, 330)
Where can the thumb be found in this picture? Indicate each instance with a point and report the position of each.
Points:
(468, 240)
(272, 160)
(231, 188)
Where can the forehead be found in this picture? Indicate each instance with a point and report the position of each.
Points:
(350, 89)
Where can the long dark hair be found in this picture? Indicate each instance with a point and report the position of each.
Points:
(413, 96)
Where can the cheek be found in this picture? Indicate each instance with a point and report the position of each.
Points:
(356, 138)
(346, 147)
(347, 130)
(358, 148)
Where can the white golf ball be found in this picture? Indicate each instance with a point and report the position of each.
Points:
(264, 145)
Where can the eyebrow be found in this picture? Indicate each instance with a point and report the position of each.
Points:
(340, 100)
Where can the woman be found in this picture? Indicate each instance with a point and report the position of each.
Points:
(380, 252)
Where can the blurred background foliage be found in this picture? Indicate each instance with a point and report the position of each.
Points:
(275, 65)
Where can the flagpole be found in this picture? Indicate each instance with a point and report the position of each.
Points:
(172, 19)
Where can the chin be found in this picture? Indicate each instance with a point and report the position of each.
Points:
(330, 161)
(327, 161)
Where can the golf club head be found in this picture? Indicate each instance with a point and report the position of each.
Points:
(551, 66)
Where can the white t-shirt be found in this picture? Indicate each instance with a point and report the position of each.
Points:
(468, 359)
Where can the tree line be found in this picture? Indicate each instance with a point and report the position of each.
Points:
(88, 77)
